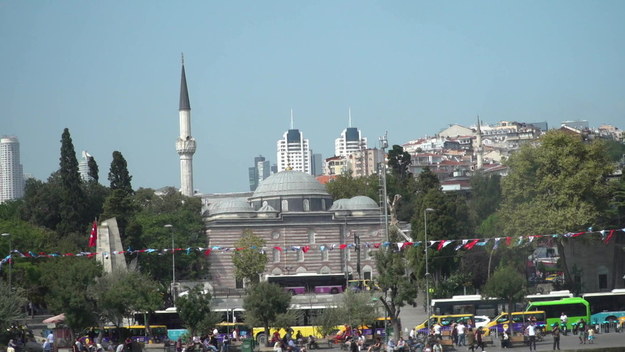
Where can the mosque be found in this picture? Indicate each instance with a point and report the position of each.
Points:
(304, 229)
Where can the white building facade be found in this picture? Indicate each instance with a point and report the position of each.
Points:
(350, 141)
(11, 171)
(294, 152)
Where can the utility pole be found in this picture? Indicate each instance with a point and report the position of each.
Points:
(383, 146)
(357, 244)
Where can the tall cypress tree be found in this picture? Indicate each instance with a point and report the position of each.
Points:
(120, 203)
(118, 175)
(93, 169)
(73, 200)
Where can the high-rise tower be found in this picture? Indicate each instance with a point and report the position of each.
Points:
(350, 141)
(185, 145)
(293, 151)
(11, 172)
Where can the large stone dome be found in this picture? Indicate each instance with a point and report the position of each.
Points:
(289, 183)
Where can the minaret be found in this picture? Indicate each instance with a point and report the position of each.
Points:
(185, 145)
(479, 150)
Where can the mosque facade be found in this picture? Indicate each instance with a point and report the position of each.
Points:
(304, 230)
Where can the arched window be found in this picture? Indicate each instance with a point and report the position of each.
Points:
(325, 255)
(306, 205)
(276, 255)
(301, 270)
(300, 256)
(367, 272)
(285, 205)
(311, 237)
(325, 270)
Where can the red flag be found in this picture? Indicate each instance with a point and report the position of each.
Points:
(93, 238)
(441, 244)
(607, 240)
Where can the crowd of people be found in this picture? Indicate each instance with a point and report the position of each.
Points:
(293, 342)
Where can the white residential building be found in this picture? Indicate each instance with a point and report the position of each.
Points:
(294, 152)
(11, 172)
(350, 141)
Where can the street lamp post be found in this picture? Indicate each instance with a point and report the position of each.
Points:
(173, 264)
(10, 259)
(427, 268)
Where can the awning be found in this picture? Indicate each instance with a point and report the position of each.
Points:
(55, 319)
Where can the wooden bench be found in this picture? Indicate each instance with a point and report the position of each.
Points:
(517, 340)
(448, 344)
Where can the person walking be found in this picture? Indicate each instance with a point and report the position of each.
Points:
(555, 332)
(530, 330)
(460, 328)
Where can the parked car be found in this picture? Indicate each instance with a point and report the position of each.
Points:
(481, 321)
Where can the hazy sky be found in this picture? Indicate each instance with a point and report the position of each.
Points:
(110, 72)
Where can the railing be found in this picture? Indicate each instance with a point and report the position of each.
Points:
(228, 292)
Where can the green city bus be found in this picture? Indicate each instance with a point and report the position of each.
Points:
(575, 308)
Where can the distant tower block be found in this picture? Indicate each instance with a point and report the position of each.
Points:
(185, 145)
(108, 243)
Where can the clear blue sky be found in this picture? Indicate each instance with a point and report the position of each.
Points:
(110, 72)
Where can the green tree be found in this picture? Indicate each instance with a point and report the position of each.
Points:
(195, 310)
(41, 202)
(508, 284)
(356, 308)
(25, 272)
(119, 296)
(395, 283)
(65, 279)
(615, 150)
(93, 169)
(399, 162)
(263, 304)
(118, 175)
(146, 230)
(557, 186)
(72, 201)
(347, 186)
(449, 221)
(249, 262)
(485, 196)
(120, 203)
(11, 304)
(328, 320)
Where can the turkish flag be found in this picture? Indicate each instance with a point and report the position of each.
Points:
(93, 238)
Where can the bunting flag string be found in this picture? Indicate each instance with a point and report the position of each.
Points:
(467, 244)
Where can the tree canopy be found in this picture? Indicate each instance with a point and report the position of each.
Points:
(72, 200)
(195, 310)
(557, 186)
(249, 262)
(264, 303)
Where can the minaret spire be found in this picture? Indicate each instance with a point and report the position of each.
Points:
(479, 150)
(185, 145)
(349, 124)
(184, 93)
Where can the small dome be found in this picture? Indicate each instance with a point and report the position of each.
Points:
(361, 202)
(340, 204)
(289, 183)
(235, 205)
